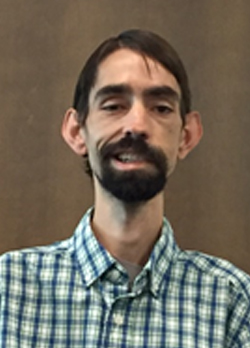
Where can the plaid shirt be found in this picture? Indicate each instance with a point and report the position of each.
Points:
(74, 294)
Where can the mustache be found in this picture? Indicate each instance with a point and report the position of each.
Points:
(136, 144)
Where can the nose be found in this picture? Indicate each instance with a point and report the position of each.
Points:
(137, 121)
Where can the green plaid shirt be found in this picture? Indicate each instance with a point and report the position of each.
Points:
(74, 294)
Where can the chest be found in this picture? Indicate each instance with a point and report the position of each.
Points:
(68, 315)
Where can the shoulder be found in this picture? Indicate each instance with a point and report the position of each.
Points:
(43, 263)
(219, 269)
(225, 287)
(194, 264)
(18, 265)
(52, 249)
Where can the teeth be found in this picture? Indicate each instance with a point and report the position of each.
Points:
(128, 157)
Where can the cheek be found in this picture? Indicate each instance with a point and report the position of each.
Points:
(172, 140)
(90, 147)
(102, 132)
(171, 165)
(95, 139)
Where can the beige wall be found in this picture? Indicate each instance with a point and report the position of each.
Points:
(43, 45)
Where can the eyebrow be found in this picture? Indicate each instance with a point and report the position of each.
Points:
(153, 92)
(109, 90)
(162, 92)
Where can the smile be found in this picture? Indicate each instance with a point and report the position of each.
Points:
(130, 161)
(129, 158)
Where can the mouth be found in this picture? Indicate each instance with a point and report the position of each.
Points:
(129, 161)
(131, 154)
(128, 157)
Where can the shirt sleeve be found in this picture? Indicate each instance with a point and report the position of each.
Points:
(238, 324)
(1, 306)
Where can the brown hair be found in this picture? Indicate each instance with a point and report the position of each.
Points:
(147, 44)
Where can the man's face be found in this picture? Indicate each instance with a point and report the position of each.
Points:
(134, 129)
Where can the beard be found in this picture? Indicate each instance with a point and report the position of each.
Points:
(136, 185)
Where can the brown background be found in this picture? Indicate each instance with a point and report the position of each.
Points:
(43, 45)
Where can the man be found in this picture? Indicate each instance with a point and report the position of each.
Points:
(120, 280)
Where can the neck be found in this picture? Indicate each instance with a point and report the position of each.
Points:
(127, 231)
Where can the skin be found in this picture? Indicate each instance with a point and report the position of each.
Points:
(127, 231)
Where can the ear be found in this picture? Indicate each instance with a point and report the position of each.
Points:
(72, 132)
(191, 134)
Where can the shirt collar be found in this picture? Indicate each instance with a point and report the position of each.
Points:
(164, 254)
(94, 260)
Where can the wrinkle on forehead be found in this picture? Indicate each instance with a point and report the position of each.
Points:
(124, 60)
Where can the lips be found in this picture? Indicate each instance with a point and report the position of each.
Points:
(129, 157)
(131, 152)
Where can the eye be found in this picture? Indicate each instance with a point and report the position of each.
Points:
(112, 107)
(163, 109)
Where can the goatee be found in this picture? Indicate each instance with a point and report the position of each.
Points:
(136, 185)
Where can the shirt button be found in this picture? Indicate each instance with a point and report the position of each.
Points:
(118, 319)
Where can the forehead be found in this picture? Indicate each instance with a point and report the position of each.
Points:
(126, 66)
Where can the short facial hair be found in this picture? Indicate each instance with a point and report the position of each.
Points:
(136, 185)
